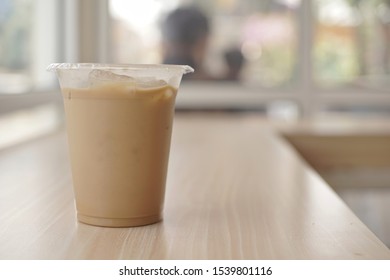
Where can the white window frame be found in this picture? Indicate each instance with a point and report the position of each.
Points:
(86, 39)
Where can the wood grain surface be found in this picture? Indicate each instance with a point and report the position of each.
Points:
(235, 190)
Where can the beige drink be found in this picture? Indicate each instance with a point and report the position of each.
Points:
(119, 140)
(119, 123)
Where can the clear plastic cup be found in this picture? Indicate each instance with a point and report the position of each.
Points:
(119, 123)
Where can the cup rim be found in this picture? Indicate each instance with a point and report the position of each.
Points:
(183, 69)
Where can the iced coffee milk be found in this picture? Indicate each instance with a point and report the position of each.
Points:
(119, 130)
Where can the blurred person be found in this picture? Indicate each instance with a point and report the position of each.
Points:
(185, 33)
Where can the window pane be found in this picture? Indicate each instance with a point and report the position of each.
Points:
(15, 44)
(352, 42)
(261, 33)
(28, 43)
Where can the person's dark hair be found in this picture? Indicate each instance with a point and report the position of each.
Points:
(185, 25)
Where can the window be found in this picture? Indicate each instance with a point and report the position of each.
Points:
(351, 42)
(265, 32)
(27, 44)
(29, 41)
(15, 45)
(315, 55)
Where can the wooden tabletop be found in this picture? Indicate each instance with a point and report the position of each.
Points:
(235, 190)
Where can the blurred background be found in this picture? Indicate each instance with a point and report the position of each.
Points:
(293, 58)
(288, 60)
